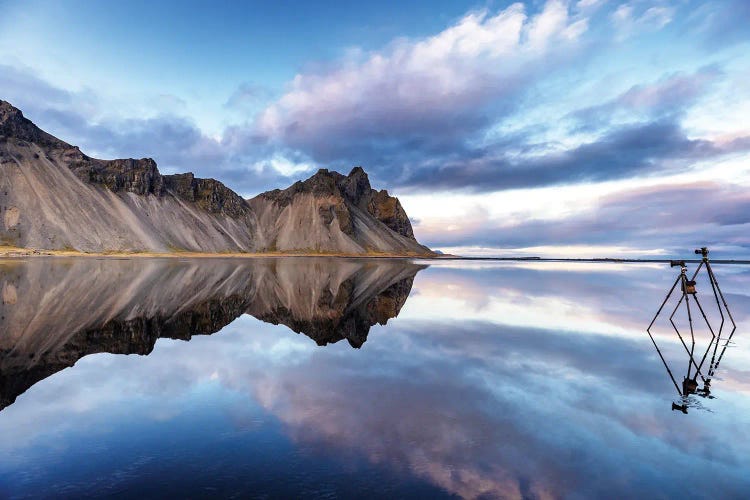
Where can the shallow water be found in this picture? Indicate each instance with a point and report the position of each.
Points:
(488, 380)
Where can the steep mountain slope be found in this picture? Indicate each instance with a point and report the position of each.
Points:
(52, 196)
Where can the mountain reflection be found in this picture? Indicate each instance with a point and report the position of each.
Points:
(54, 312)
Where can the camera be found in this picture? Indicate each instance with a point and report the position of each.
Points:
(702, 251)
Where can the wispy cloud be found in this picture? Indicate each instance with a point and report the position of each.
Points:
(670, 96)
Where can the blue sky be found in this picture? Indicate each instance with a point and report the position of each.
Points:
(548, 128)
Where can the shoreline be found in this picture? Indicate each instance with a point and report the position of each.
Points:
(15, 252)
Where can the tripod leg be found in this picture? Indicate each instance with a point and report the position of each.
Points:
(714, 288)
(692, 335)
(688, 350)
(674, 311)
(713, 337)
(664, 361)
(697, 270)
(648, 330)
(715, 283)
(721, 355)
(663, 304)
(677, 331)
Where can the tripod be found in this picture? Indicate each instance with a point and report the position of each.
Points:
(690, 383)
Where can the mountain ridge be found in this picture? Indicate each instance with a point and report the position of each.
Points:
(55, 197)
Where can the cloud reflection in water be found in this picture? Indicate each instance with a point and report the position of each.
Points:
(464, 390)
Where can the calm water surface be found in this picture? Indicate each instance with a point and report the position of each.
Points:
(305, 377)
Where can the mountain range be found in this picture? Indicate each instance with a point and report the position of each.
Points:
(55, 197)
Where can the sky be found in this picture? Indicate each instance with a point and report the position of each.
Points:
(555, 128)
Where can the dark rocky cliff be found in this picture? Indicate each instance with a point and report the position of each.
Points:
(351, 190)
(142, 177)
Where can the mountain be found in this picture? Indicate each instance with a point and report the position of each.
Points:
(54, 197)
(55, 311)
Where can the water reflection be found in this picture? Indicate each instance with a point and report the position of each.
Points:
(55, 312)
(496, 380)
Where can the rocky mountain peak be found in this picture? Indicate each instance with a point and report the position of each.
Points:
(352, 190)
(9, 112)
(14, 125)
(356, 187)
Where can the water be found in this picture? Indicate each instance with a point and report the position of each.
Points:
(408, 379)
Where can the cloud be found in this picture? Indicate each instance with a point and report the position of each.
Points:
(247, 161)
(721, 24)
(443, 112)
(426, 94)
(633, 18)
(641, 148)
(637, 132)
(76, 116)
(668, 97)
(247, 95)
(497, 100)
(588, 4)
(176, 143)
(672, 217)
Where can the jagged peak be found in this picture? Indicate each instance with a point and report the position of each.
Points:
(14, 125)
(357, 171)
(134, 162)
(353, 187)
(8, 111)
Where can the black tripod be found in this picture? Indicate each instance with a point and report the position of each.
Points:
(690, 384)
